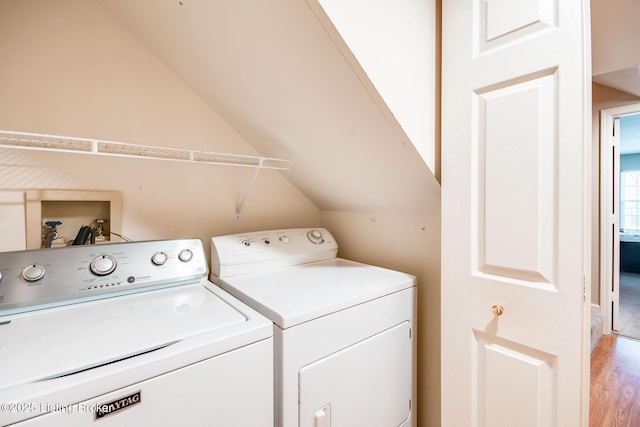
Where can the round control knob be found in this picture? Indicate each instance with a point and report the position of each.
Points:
(159, 258)
(33, 273)
(315, 236)
(103, 265)
(185, 255)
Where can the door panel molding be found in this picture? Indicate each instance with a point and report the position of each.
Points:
(516, 181)
(507, 368)
(502, 21)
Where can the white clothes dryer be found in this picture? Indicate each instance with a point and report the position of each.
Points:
(344, 332)
(128, 334)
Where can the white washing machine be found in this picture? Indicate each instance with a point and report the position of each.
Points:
(344, 348)
(128, 334)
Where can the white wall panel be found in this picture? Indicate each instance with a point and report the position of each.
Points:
(12, 221)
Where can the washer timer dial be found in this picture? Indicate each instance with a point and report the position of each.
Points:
(103, 265)
(33, 273)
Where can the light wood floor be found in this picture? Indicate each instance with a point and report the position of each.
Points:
(629, 314)
(615, 383)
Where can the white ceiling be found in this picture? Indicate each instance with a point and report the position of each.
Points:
(615, 33)
(275, 74)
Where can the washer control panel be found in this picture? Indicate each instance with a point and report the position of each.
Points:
(44, 278)
(265, 250)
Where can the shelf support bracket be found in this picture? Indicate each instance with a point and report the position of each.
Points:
(249, 186)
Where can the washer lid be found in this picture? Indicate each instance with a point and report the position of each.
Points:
(61, 341)
(293, 295)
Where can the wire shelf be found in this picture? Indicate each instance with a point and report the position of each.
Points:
(45, 142)
(68, 144)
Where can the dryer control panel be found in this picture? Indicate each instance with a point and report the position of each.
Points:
(44, 278)
(252, 252)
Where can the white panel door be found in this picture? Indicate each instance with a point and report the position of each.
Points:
(516, 108)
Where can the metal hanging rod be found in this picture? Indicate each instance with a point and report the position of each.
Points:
(68, 144)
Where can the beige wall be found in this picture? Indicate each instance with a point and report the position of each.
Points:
(69, 69)
(603, 97)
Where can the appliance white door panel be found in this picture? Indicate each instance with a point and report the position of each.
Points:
(365, 384)
(230, 390)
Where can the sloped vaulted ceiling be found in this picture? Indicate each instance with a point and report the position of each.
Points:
(274, 73)
(615, 29)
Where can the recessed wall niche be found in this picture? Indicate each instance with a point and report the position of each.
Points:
(68, 211)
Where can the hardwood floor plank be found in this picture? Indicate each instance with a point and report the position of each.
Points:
(615, 383)
(629, 313)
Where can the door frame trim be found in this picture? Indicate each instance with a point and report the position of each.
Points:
(607, 263)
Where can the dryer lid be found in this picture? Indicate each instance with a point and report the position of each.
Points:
(293, 295)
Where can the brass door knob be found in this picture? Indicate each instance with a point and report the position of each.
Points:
(497, 310)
